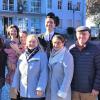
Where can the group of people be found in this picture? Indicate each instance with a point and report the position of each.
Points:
(10, 50)
(41, 67)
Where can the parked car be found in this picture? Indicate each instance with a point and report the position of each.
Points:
(95, 33)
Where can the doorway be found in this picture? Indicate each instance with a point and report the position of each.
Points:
(6, 22)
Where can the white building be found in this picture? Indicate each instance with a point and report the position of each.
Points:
(30, 15)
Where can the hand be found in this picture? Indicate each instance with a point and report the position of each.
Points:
(95, 92)
(13, 93)
(39, 93)
(15, 47)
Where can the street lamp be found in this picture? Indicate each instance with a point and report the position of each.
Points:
(74, 9)
(73, 20)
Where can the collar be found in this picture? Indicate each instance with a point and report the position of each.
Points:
(31, 53)
(81, 47)
(48, 36)
(57, 56)
(47, 33)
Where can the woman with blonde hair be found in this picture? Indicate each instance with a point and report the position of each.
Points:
(30, 78)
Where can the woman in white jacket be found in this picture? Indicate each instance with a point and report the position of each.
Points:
(60, 71)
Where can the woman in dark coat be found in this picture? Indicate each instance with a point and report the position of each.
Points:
(3, 60)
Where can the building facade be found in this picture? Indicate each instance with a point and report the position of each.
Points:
(30, 15)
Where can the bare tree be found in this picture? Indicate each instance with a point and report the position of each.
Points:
(93, 7)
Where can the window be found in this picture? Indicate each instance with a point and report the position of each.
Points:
(25, 5)
(78, 6)
(8, 5)
(69, 5)
(5, 4)
(23, 24)
(60, 23)
(49, 3)
(59, 4)
(11, 5)
(6, 21)
(36, 24)
(36, 6)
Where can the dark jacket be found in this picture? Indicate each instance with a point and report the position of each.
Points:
(86, 68)
(45, 43)
(3, 60)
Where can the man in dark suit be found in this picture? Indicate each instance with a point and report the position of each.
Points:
(51, 22)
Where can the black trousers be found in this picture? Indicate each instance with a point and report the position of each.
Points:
(32, 99)
(99, 96)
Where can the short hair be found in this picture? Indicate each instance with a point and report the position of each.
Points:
(55, 18)
(60, 37)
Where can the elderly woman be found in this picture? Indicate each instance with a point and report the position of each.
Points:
(60, 71)
(30, 78)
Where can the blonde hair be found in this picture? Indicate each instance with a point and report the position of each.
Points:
(32, 36)
(36, 37)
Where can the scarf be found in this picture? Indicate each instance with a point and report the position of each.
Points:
(31, 52)
(57, 56)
